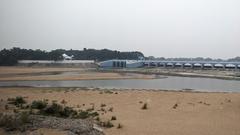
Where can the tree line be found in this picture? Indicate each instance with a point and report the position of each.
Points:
(11, 56)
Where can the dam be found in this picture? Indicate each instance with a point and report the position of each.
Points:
(170, 64)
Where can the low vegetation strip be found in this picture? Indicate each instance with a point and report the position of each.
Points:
(44, 114)
(24, 121)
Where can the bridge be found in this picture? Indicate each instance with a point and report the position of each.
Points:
(192, 64)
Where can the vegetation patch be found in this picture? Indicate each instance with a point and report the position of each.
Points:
(145, 106)
(39, 104)
(175, 106)
(18, 101)
(108, 92)
(14, 122)
(86, 114)
(119, 126)
(58, 110)
(114, 118)
(39, 108)
(103, 105)
(110, 109)
(106, 124)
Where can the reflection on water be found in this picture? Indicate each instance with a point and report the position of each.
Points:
(166, 83)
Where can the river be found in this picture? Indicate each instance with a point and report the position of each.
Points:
(164, 83)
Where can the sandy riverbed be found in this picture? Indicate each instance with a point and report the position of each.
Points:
(206, 73)
(15, 73)
(40, 73)
(195, 114)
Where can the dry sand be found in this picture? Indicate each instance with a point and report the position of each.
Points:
(40, 73)
(15, 73)
(195, 113)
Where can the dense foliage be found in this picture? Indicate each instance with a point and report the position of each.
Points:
(11, 56)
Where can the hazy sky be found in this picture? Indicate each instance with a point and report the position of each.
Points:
(168, 28)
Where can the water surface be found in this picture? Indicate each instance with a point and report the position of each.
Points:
(166, 83)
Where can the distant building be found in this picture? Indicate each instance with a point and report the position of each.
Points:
(66, 57)
(61, 63)
(121, 64)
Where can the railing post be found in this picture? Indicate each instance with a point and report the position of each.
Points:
(224, 66)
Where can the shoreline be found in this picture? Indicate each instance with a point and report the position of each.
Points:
(182, 74)
(121, 89)
(55, 73)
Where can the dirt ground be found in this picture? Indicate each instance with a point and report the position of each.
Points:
(167, 113)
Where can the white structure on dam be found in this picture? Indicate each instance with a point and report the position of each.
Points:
(121, 64)
(169, 64)
(193, 64)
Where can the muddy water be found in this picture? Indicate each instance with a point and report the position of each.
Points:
(165, 83)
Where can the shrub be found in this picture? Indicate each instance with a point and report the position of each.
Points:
(24, 117)
(58, 111)
(68, 112)
(90, 109)
(6, 107)
(103, 105)
(145, 106)
(108, 92)
(110, 109)
(175, 106)
(53, 110)
(103, 110)
(86, 114)
(54, 101)
(114, 118)
(63, 102)
(15, 110)
(97, 119)
(107, 124)
(14, 122)
(39, 104)
(8, 122)
(94, 114)
(83, 115)
(119, 126)
(18, 101)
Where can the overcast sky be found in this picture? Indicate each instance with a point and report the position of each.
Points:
(168, 28)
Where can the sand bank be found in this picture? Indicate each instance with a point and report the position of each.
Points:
(167, 113)
(58, 74)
